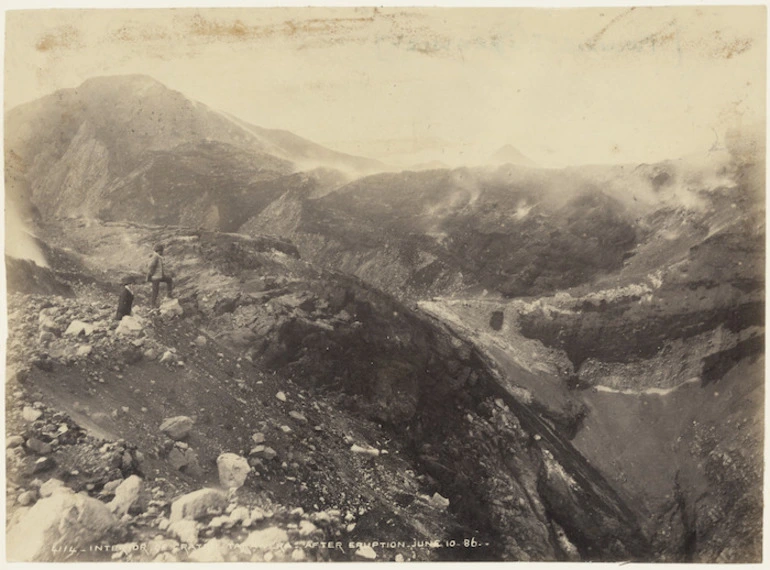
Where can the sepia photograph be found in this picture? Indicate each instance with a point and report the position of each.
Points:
(384, 283)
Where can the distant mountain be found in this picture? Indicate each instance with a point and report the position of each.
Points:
(430, 165)
(508, 154)
(127, 147)
(307, 155)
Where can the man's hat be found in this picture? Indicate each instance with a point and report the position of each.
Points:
(128, 280)
(158, 247)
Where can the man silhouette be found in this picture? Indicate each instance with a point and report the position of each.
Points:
(126, 298)
(156, 274)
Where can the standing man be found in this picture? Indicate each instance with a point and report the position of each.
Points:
(156, 274)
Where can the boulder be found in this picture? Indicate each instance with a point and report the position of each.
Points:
(171, 308)
(258, 438)
(27, 498)
(213, 551)
(366, 552)
(281, 396)
(186, 530)
(111, 487)
(30, 414)
(439, 501)
(47, 324)
(201, 341)
(125, 495)
(130, 325)
(269, 453)
(177, 427)
(84, 350)
(185, 459)
(52, 487)
(239, 514)
(298, 416)
(298, 555)
(196, 504)
(45, 337)
(14, 441)
(233, 470)
(266, 539)
(168, 357)
(64, 520)
(306, 528)
(37, 446)
(77, 328)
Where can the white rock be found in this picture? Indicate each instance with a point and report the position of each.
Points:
(266, 539)
(219, 521)
(364, 450)
(257, 515)
(258, 437)
(163, 523)
(233, 470)
(14, 441)
(77, 328)
(177, 427)
(366, 552)
(167, 356)
(53, 486)
(201, 340)
(186, 530)
(239, 514)
(298, 416)
(171, 308)
(306, 528)
(321, 517)
(84, 350)
(159, 544)
(298, 555)
(62, 520)
(212, 551)
(281, 396)
(30, 414)
(439, 501)
(196, 504)
(129, 325)
(125, 495)
(47, 324)
(27, 498)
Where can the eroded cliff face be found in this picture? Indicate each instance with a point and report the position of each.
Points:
(662, 374)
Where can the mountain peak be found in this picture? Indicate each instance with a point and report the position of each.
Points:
(509, 154)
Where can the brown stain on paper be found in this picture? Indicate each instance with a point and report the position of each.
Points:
(591, 43)
(65, 37)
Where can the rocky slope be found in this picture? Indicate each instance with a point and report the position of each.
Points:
(358, 421)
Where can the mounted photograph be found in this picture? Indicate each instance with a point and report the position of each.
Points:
(387, 284)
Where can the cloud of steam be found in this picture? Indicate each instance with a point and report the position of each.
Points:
(19, 242)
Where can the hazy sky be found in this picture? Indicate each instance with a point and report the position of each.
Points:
(563, 86)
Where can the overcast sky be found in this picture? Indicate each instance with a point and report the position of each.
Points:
(562, 86)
